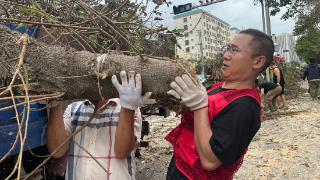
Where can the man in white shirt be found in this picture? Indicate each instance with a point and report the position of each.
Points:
(110, 137)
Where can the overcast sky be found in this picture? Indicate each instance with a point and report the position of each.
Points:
(238, 13)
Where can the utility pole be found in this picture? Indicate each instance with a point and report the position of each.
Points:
(263, 17)
(201, 55)
(266, 25)
(268, 18)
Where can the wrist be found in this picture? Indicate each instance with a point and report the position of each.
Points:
(128, 107)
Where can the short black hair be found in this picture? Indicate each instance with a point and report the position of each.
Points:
(312, 60)
(262, 45)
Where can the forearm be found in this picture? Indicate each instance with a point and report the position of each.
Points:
(124, 138)
(277, 72)
(203, 133)
(56, 133)
(304, 75)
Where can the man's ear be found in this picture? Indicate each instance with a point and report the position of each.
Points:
(259, 62)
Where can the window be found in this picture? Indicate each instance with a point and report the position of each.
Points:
(185, 20)
(187, 49)
(185, 27)
(186, 42)
(186, 35)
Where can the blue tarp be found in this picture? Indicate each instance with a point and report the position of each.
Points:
(31, 30)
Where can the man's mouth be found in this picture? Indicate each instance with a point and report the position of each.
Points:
(224, 65)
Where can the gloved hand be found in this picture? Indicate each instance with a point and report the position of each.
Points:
(193, 95)
(130, 91)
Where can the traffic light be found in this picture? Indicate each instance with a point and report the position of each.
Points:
(182, 8)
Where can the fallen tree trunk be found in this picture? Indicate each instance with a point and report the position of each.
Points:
(58, 69)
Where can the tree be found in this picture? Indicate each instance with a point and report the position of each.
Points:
(306, 12)
(307, 27)
(308, 46)
(81, 74)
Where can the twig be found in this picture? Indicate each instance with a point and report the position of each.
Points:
(19, 85)
(24, 40)
(102, 18)
(118, 8)
(91, 156)
(12, 3)
(23, 97)
(55, 95)
(18, 163)
(25, 125)
(9, 60)
(47, 24)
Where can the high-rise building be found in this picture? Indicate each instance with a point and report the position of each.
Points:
(204, 34)
(285, 44)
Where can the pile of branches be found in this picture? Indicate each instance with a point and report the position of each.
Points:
(292, 76)
(85, 24)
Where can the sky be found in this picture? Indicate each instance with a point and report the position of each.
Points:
(241, 14)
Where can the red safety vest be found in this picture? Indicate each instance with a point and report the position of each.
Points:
(182, 137)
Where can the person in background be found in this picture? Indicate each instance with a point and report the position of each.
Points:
(213, 136)
(278, 78)
(270, 92)
(312, 73)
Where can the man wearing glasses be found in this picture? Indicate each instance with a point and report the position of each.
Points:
(212, 138)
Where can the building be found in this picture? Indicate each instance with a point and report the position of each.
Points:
(285, 44)
(204, 34)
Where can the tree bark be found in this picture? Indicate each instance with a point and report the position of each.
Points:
(58, 69)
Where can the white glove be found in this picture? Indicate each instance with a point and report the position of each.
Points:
(192, 95)
(130, 91)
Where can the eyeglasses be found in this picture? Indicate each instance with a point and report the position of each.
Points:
(231, 49)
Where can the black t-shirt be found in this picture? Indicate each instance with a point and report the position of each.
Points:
(267, 86)
(234, 128)
(281, 78)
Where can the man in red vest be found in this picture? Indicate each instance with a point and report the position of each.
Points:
(212, 138)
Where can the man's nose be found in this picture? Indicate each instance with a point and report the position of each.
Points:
(227, 55)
